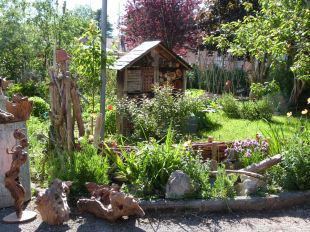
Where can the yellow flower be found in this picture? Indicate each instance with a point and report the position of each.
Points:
(308, 100)
(305, 111)
(289, 114)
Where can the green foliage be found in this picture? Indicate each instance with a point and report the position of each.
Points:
(224, 184)
(146, 171)
(279, 29)
(110, 121)
(151, 117)
(213, 80)
(37, 130)
(296, 163)
(259, 90)
(230, 106)
(29, 88)
(80, 167)
(252, 110)
(293, 173)
(40, 108)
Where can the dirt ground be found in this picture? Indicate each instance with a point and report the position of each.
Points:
(295, 219)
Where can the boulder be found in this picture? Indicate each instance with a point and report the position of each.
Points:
(179, 185)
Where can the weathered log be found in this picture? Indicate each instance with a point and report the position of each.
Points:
(247, 173)
(11, 180)
(120, 205)
(98, 126)
(263, 165)
(69, 132)
(76, 103)
(52, 204)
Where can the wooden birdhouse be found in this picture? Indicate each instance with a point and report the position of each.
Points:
(149, 63)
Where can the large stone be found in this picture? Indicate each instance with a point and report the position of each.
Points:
(249, 185)
(179, 185)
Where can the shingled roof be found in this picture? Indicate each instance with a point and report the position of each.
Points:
(138, 52)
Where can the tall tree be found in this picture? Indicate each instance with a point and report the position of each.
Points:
(169, 21)
(279, 33)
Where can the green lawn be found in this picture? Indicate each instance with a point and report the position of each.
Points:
(227, 129)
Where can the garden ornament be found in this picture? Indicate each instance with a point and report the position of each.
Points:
(52, 204)
(108, 203)
(12, 182)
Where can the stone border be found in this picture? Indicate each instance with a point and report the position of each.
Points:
(271, 202)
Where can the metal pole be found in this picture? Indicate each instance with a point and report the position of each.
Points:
(103, 64)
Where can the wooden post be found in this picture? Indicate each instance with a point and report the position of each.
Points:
(69, 131)
(76, 104)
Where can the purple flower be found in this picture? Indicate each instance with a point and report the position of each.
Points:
(248, 153)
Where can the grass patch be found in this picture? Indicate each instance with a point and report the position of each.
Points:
(229, 129)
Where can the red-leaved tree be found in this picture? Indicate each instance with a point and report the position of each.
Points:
(171, 21)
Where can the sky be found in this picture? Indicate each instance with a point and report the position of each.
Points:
(115, 7)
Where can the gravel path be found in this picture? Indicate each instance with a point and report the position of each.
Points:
(297, 219)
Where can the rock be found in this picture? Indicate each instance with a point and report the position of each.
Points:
(249, 185)
(179, 185)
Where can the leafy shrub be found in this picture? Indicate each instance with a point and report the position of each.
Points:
(224, 184)
(29, 88)
(146, 171)
(259, 90)
(37, 130)
(110, 120)
(151, 117)
(296, 165)
(230, 106)
(40, 107)
(252, 110)
(79, 167)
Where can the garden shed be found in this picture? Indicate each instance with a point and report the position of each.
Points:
(149, 63)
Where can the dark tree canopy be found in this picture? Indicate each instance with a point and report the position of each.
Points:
(217, 12)
(172, 22)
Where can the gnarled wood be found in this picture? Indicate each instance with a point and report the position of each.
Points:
(264, 164)
(11, 180)
(120, 205)
(252, 174)
(52, 204)
(6, 117)
(20, 107)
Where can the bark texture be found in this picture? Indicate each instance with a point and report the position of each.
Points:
(11, 180)
(52, 204)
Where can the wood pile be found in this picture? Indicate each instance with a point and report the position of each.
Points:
(211, 150)
(65, 104)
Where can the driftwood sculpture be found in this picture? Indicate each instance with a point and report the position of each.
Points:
(65, 103)
(11, 180)
(108, 203)
(6, 117)
(20, 107)
(52, 204)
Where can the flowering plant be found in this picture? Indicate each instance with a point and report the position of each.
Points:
(249, 151)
